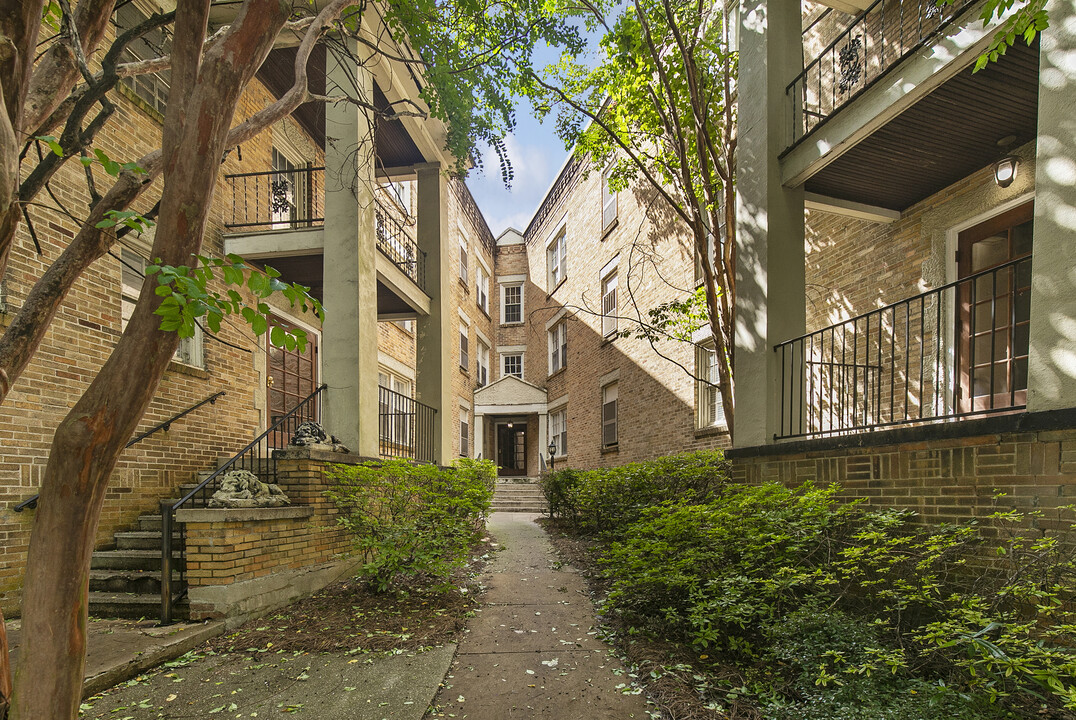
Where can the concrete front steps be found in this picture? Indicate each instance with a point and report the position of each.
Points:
(522, 494)
(125, 579)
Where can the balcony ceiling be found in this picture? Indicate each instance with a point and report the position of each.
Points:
(395, 148)
(943, 138)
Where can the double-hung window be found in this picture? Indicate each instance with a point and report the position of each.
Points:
(512, 364)
(191, 350)
(558, 431)
(557, 259)
(483, 364)
(608, 200)
(481, 282)
(463, 259)
(609, 309)
(465, 432)
(465, 358)
(511, 304)
(609, 415)
(150, 88)
(558, 346)
(711, 410)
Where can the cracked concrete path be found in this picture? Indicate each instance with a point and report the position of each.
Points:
(532, 650)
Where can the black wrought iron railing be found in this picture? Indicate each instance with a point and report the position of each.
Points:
(276, 199)
(873, 44)
(31, 503)
(405, 427)
(395, 242)
(957, 351)
(258, 458)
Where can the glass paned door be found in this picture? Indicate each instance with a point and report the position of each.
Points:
(995, 311)
(292, 376)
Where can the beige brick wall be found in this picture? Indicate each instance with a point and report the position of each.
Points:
(657, 404)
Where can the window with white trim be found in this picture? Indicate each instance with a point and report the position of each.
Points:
(401, 195)
(396, 409)
(609, 415)
(481, 284)
(608, 200)
(558, 431)
(151, 88)
(558, 346)
(465, 359)
(711, 409)
(557, 259)
(511, 304)
(609, 308)
(512, 364)
(465, 432)
(483, 364)
(463, 260)
(191, 350)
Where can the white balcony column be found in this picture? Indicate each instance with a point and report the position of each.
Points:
(434, 332)
(479, 435)
(1052, 361)
(770, 305)
(349, 337)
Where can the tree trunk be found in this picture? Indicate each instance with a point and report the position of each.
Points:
(88, 442)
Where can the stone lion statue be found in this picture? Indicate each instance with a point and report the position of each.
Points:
(242, 488)
(312, 434)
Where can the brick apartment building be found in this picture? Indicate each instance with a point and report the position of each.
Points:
(911, 339)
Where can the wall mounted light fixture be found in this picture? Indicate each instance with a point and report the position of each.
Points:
(1005, 170)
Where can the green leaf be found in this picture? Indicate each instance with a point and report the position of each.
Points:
(259, 325)
(53, 143)
(277, 336)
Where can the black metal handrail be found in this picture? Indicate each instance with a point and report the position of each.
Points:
(31, 503)
(277, 199)
(395, 242)
(256, 457)
(874, 43)
(956, 351)
(405, 427)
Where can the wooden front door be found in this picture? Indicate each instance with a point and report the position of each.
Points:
(995, 311)
(512, 449)
(292, 377)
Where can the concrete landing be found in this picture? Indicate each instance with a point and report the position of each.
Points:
(118, 650)
(532, 650)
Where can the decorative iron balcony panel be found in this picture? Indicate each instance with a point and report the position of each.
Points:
(277, 199)
(873, 44)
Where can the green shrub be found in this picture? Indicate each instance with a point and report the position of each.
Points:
(826, 603)
(410, 520)
(607, 501)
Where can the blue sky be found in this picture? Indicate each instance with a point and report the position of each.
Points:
(536, 154)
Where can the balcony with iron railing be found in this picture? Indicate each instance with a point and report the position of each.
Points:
(861, 54)
(287, 200)
(405, 427)
(954, 352)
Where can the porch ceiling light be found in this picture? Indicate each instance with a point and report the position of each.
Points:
(510, 424)
(1005, 170)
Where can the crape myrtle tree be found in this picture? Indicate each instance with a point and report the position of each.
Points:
(56, 74)
(658, 109)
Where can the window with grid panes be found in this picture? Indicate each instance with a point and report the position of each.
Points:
(151, 88)
(191, 350)
(711, 410)
(558, 430)
(557, 259)
(512, 365)
(609, 308)
(511, 304)
(609, 415)
(558, 347)
(608, 201)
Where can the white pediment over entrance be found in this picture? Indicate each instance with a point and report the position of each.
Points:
(509, 395)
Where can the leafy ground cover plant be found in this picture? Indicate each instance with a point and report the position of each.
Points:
(411, 520)
(793, 603)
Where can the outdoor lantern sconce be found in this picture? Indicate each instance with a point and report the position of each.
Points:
(552, 451)
(1005, 170)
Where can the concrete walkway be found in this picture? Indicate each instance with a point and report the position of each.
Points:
(532, 650)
